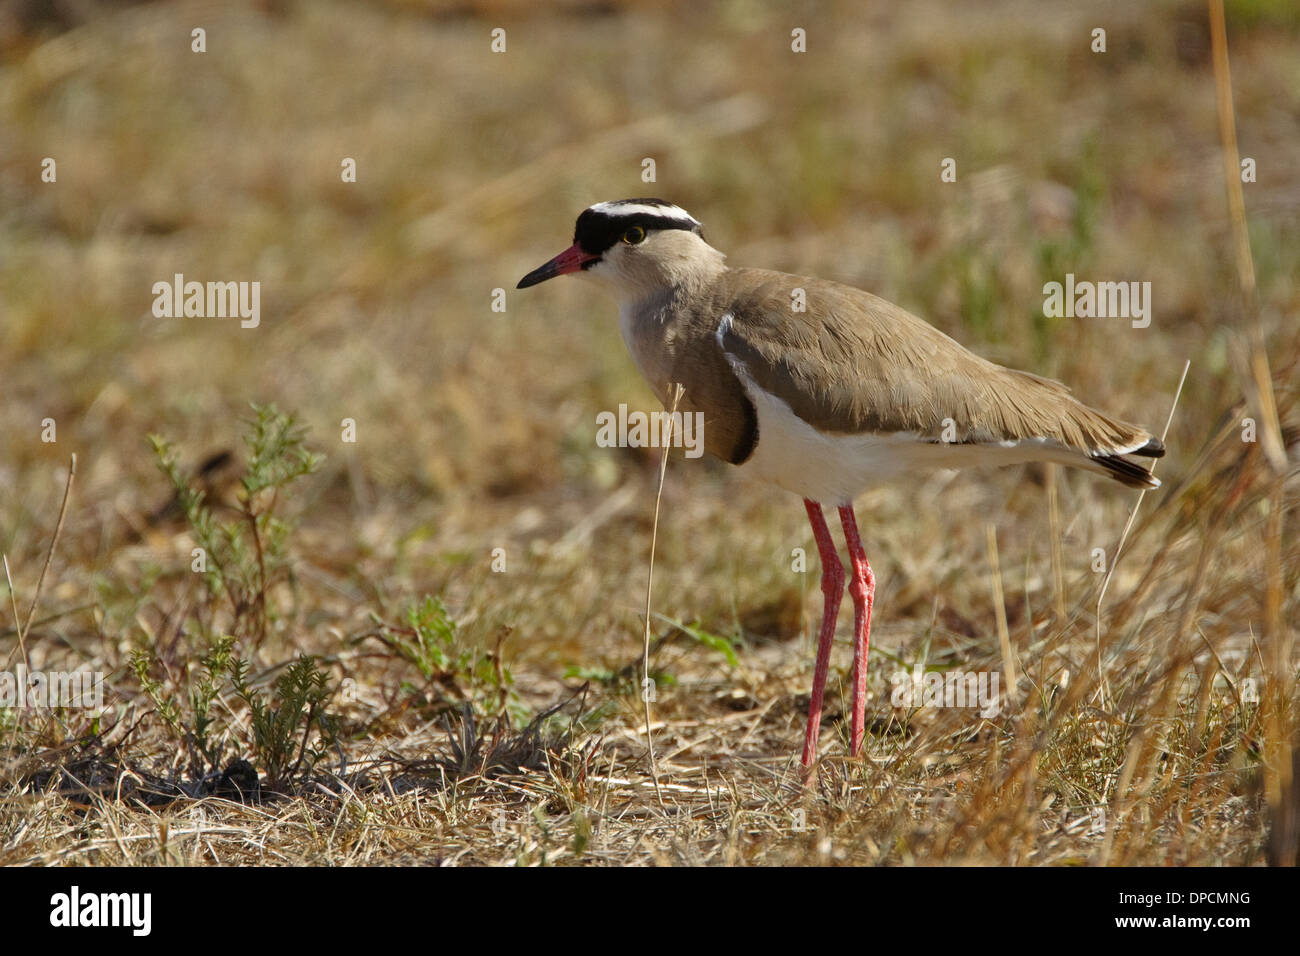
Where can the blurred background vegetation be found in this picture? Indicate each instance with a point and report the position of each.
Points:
(475, 429)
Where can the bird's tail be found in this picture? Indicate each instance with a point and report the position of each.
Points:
(1132, 473)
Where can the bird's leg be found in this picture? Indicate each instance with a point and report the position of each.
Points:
(863, 591)
(832, 591)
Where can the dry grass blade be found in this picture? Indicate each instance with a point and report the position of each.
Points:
(18, 621)
(1000, 612)
(647, 682)
(1123, 537)
(25, 626)
(1282, 787)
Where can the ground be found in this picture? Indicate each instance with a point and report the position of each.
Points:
(416, 630)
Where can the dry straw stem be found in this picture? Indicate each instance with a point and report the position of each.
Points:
(25, 626)
(1280, 785)
(18, 621)
(1000, 610)
(1054, 532)
(1102, 685)
(1255, 369)
(1231, 157)
(646, 684)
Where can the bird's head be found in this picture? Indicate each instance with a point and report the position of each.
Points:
(635, 246)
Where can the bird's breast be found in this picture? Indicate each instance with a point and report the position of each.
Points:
(649, 341)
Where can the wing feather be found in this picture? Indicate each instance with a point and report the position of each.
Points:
(877, 368)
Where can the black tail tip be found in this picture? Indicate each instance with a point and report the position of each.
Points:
(1155, 448)
(1128, 472)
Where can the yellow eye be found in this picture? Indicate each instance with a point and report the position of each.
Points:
(634, 235)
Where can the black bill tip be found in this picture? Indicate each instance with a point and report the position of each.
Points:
(572, 259)
(537, 275)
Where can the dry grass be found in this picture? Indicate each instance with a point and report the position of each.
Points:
(475, 433)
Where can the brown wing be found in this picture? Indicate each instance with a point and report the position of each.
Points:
(853, 363)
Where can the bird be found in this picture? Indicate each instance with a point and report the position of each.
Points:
(824, 390)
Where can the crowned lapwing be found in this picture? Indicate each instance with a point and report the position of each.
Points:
(824, 390)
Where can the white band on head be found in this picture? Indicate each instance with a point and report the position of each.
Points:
(625, 208)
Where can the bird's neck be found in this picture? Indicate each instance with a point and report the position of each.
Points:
(678, 279)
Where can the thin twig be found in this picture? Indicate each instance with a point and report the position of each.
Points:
(302, 748)
(1054, 530)
(1241, 704)
(259, 601)
(649, 585)
(1231, 158)
(18, 621)
(1119, 548)
(25, 627)
(1000, 610)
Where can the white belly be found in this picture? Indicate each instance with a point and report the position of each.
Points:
(832, 469)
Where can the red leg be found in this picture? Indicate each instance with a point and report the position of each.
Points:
(832, 591)
(863, 590)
